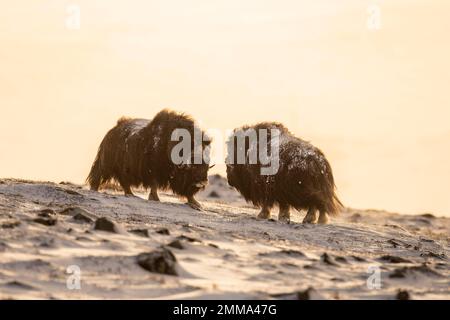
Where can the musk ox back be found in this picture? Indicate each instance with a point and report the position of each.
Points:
(138, 152)
(303, 179)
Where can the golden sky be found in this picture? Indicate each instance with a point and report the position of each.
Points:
(377, 102)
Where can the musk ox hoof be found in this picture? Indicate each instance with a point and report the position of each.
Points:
(311, 216)
(323, 219)
(310, 219)
(263, 214)
(153, 197)
(130, 196)
(284, 219)
(195, 205)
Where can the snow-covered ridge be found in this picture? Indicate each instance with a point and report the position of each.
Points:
(222, 252)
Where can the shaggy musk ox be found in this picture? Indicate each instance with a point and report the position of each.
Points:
(304, 179)
(137, 152)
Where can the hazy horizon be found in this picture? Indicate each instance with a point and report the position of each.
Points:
(377, 102)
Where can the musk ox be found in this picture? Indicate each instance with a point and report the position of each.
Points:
(138, 152)
(303, 178)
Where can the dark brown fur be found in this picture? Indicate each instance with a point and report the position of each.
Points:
(136, 152)
(304, 179)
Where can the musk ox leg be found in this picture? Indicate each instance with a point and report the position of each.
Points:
(95, 180)
(95, 175)
(153, 194)
(95, 186)
(323, 217)
(194, 204)
(264, 213)
(311, 216)
(284, 214)
(127, 190)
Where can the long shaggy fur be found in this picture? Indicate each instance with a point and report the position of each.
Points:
(137, 152)
(304, 179)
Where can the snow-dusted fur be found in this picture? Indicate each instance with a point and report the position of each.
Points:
(136, 152)
(304, 179)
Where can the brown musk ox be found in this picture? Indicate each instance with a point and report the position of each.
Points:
(138, 153)
(303, 178)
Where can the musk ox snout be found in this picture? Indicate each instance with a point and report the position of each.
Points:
(304, 180)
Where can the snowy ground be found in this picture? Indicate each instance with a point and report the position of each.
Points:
(222, 252)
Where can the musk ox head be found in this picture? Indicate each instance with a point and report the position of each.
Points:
(190, 177)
